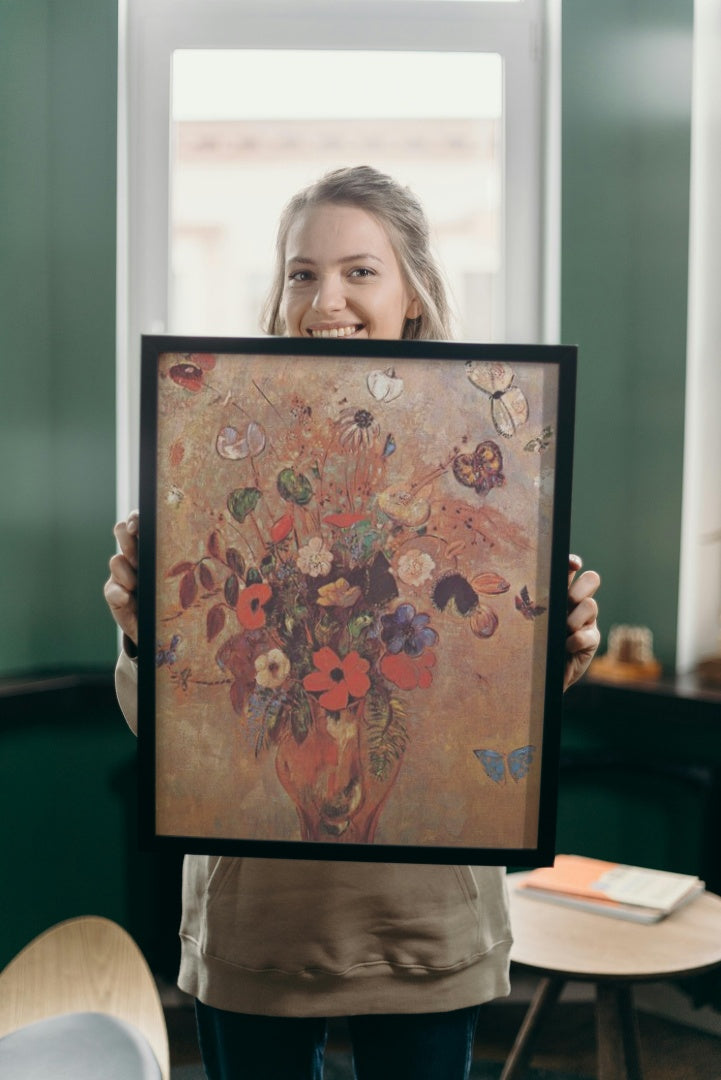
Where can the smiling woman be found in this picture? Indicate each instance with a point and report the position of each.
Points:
(353, 259)
(336, 295)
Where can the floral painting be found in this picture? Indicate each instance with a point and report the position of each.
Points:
(352, 575)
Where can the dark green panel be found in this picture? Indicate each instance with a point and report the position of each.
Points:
(626, 146)
(632, 819)
(82, 204)
(57, 310)
(26, 483)
(68, 785)
(62, 786)
(641, 777)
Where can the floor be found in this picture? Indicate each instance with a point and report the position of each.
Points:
(669, 1050)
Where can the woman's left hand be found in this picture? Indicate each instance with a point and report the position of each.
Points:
(583, 636)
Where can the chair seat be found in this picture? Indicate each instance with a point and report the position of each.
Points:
(78, 1046)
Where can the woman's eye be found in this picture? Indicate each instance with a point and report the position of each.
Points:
(362, 272)
(300, 276)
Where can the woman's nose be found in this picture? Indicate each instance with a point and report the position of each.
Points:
(329, 295)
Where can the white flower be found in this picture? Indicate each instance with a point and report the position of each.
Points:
(385, 385)
(314, 558)
(235, 445)
(358, 428)
(272, 669)
(415, 567)
(409, 508)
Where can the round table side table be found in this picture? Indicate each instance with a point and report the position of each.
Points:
(564, 944)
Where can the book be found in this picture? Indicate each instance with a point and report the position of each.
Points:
(621, 891)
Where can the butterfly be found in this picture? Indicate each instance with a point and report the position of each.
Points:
(518, 762)
(540, 442)
(509, 407)
(525, 605)
(389, 446)
(481, 470)
(169, 655)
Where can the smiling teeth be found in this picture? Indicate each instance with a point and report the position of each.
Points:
(339, 331)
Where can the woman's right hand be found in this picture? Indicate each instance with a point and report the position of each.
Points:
(121, 587)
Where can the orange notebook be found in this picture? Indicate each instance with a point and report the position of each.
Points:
(631, 892)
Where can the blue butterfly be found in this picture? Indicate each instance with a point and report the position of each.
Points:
(389, 447)
(518, 762)
(169, 655)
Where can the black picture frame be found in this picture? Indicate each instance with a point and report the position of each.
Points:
(378, 526)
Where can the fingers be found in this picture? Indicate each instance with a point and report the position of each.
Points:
(583, 636)
(126, 534)
(584, 641)
(584, 586)
(123, 607)
(121, 587)
(580, 614)
(575, 562)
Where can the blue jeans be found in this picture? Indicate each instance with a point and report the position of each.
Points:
(414, 1046)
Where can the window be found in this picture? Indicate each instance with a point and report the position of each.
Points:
(227, 107)
(236, 159)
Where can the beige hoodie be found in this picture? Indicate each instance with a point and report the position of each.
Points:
(298, 938)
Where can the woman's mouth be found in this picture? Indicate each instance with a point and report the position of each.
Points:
(334, 331)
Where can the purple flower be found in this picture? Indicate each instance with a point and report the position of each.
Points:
(404, 631)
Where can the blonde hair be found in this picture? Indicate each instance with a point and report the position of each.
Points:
(403, 217)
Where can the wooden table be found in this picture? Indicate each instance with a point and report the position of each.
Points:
(563, 944)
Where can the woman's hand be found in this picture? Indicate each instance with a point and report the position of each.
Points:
(121, 587)
(583, 635)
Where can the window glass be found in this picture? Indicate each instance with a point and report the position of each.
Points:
(251, 127)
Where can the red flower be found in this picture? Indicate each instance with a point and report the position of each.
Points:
(338, 679)
(250, 608)
(408, 672)
(206, 361)
(281, 528)
(343, 521)
(188, 376)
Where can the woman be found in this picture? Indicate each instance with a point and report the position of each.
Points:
(272, 948)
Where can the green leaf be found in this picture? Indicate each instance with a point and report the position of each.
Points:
(359, 623)
(294, 487)
(300, 719)
(326, 629)
(242, 501)
(387, 734)
(235, 561)
(231, 590)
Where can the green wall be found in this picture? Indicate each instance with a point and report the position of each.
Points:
(57, 327)
(625, 201)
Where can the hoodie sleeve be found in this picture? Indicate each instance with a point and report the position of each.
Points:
(126, 688)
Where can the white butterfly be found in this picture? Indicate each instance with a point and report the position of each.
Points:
(509, 407)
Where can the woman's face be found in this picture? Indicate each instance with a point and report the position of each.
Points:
(342, 277)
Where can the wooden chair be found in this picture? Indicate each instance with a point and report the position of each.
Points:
(90, 971)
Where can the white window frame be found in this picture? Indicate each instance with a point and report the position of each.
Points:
(526, 34)
(699, 597)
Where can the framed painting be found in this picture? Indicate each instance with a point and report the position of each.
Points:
(352, 597)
